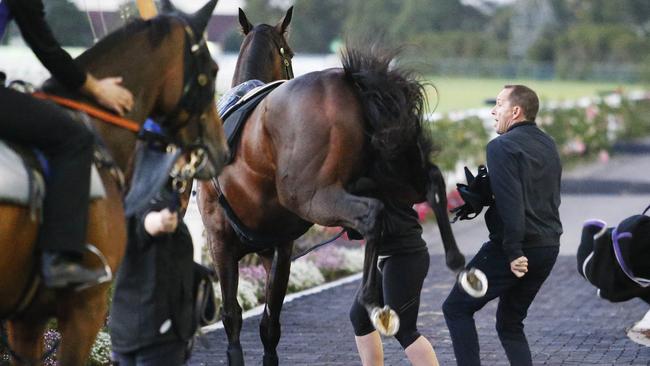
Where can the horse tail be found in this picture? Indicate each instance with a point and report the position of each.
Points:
(393, 102)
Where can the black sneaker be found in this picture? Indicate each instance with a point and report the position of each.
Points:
(60, 270)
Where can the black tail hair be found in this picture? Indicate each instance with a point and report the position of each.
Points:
(393, 101)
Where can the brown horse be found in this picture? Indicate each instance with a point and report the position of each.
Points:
(166, 65)
(316, 150)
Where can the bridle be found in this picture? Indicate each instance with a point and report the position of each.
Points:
(285, 58)
(198, 94)
(286, 64)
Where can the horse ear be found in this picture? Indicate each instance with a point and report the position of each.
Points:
(203, 15)
(246, 26)
(167, 6)
(284, 23)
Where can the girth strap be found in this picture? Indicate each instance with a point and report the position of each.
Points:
(247, 235)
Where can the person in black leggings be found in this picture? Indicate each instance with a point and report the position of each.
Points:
(403, 264)
(67, 144)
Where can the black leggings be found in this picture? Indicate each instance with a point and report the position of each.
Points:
(401, 279)
(68, 144)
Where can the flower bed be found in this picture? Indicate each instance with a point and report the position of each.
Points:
(323, 265)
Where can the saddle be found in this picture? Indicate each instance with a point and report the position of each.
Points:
(615, 259)
(237, 104)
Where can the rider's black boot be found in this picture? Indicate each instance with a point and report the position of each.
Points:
(63, 270)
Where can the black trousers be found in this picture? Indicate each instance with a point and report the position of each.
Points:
(515, 296)
(68, 145)
(401, 278)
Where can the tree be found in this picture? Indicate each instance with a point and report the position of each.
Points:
(370, 20)
(262, 11)
(316, 24)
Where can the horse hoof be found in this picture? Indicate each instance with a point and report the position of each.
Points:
(474, 282)
(385, 320)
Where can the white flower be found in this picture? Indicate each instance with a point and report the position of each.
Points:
(100, 353)
(304, 274)
(352, 259)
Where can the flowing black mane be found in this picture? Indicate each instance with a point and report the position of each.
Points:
(158, 28)
(394, 101)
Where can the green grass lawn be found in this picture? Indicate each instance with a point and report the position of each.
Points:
(463, 93)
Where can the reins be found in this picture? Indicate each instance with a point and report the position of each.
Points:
(308, 250)
(95, 112)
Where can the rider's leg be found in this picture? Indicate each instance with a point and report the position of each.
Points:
(69, 147)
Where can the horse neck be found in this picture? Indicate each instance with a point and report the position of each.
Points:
(141, 73)
(252, 62)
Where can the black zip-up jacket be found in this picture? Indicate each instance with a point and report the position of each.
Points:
(30, 17)
(525, 173)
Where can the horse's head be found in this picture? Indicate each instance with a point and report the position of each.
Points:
(264, 54)
(187, 99)
(166, 64)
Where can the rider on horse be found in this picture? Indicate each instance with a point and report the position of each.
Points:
(67, 144)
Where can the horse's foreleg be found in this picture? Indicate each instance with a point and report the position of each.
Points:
(278, 269)
(231, 313)
(84, 314)
(26, 339)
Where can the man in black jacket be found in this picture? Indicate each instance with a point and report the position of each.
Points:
(67, 144)
(524, 225)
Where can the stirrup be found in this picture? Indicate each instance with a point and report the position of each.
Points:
(108, 273)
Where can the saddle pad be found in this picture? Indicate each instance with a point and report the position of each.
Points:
(239, 95)
(15, 180)
(234, 118)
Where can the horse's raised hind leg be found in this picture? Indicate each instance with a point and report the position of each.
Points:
(83, 316)
(26, 338)
(277, 269)
(333, 206)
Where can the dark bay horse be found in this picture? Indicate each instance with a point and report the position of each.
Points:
(166, 65)
(323, 148)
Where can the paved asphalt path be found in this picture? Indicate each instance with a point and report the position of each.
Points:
(567, 324)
